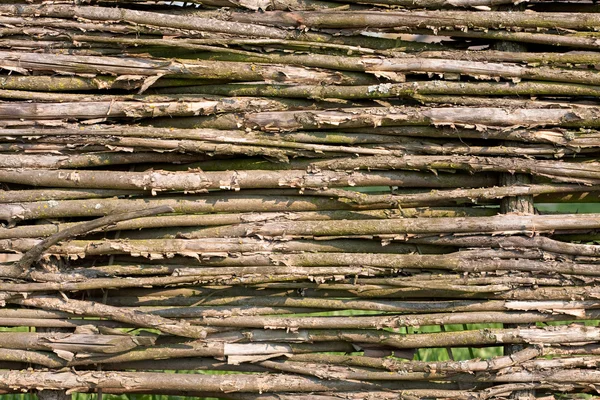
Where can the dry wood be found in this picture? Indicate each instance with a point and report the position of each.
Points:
(288, 139)
(231, 180)
(135, 318)
(36, 252)
(418, 19)
(392, 116)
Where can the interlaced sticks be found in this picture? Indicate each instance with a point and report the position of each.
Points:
(263, 131)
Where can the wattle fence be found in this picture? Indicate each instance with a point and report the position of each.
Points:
(296, 199)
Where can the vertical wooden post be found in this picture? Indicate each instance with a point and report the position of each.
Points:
(53, 394)
(521, 205)
(517, 204)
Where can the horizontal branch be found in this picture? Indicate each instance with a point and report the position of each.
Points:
(255, 305)
(198, 24)
(392, 116)
(556, 136)
(500, 291)
(134, 381)
(417, 19)
(87, 280)
(265, 145)
(543, 192)
(536, 242)
(317, 5)
(190, 220)
(144, 68)
(74, 342)
(507, 224)
(91, 309)
(387, 90)
(478, 337)
(228, 202)
(461, 261)
(233, 180)
(137, 109)
(491, 364)
(23, 196)
(462, 66)
(93, 159)
(390, 321)
(547, 39)
(589, 170)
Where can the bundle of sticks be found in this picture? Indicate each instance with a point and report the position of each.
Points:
(300, 199)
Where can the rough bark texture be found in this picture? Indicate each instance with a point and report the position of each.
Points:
(315, 200)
